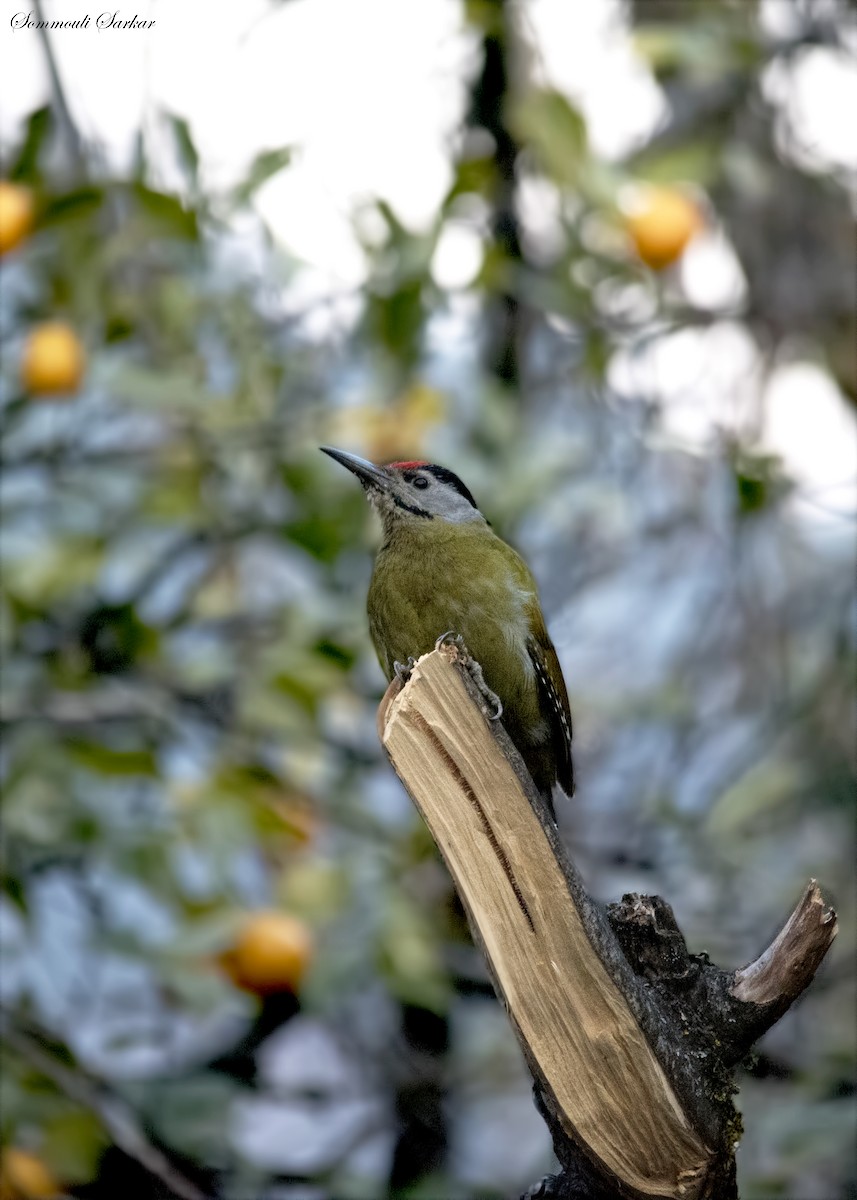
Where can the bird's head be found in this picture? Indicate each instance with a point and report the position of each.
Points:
(411, 492)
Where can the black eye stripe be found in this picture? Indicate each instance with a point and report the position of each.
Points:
(413, 508)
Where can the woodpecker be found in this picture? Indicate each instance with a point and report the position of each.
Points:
(441, 569)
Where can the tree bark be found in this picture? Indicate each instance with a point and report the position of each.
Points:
(631, 1040)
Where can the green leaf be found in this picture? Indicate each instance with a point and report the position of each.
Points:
(556, 131)
(697, 161)
(82, 202)
(25, 169)
(55, 569)
(343, 656)
(752, 493)
(13, 889)
(471, 175)
(119, 325)
(141, 160)
(397, 229)
(186, 149)
(396, 320)
(321, 536)
(758, 481)
(73, 1144)
(167, 211)
(298, 690)
(485, 16)
(263, 168)
(105, 760)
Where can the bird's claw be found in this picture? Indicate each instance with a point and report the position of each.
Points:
(403, 670)
(474, 671)
(491, 698)
(450, 636)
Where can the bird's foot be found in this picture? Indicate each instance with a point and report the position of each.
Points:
(403, 670)
(495, 704)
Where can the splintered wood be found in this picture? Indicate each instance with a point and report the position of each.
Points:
(578, 1030)
(789, 964)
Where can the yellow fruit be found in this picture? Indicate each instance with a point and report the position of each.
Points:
(270, 954)
(54, 360)
(17, 214)
(660, 222)
(23, 1176)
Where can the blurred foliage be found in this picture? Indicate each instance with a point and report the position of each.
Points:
(188, 693)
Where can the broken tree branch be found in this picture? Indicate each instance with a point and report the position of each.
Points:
(788, 966)
(631, 1040)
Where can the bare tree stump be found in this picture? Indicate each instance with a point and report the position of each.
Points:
(631, 1040)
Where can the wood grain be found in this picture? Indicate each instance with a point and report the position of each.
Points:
(577, 1028)
(789, 964)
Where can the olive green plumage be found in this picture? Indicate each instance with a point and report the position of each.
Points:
(442, 568)
(463, 578)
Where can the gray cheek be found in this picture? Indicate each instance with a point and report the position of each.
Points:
(380, 501)
(461, 514)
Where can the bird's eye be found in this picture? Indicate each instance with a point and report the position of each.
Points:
(421, 482)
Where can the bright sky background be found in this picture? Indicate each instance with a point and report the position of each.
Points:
(371, 91)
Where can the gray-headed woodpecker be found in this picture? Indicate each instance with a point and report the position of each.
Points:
(442, 569)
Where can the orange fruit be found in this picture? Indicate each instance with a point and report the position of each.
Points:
(270, 954)
(23, 1176)
(17, 214)
(660, 222)
(54, 360)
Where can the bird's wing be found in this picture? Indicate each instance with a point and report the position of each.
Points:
(551, 685)
(553, 692)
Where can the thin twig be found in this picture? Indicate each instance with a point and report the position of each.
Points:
(114, 1114)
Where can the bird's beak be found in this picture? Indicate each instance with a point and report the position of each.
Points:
(368, 474)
